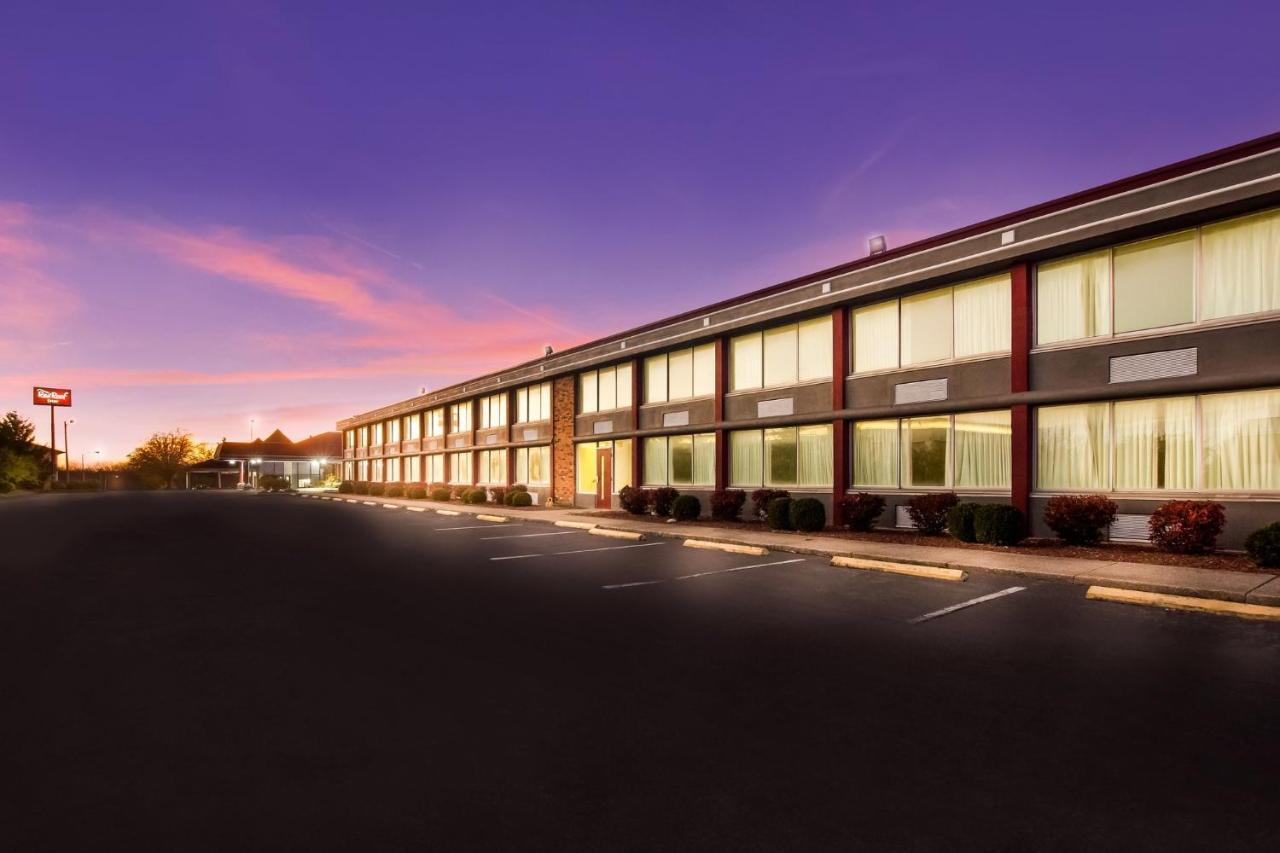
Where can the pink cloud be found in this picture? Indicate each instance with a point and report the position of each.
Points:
(32, 303)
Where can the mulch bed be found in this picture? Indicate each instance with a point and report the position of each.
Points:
(1037, 547)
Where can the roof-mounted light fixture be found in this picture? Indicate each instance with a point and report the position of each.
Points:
(877, 245)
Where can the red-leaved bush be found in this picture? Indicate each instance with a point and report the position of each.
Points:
(861, 510)
(1080, 519)
(929, 512)
(726, 504)
(1187, 527)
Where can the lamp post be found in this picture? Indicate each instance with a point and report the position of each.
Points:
(66, 449)
(97, 455)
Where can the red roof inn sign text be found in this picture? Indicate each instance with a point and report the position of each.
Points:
(50, 396)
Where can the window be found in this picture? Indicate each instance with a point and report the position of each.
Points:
(377, 433)
(680, 375)
(392, 469)
(1155, 444)
(533, 466)
(533, 403)
(363, 467)
(961, 321)
(493, 411)
(1155, 282)
(460, 468)
(491, 468)
(605, 389)
(1072, 445)
(588, 461)
(393, 431)
(460, 417)
(1072, 297)
(435, 468)
(789, 457)
(1241, 441)
(348, 470)
(363, 436)
(413, 426)
(413, 469)
(379, 470)
(783, 355)
(349, 439)
(435, 423)
(1241, 266)
(965, 451)
(680, 460)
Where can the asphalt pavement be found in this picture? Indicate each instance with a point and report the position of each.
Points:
(201, 671)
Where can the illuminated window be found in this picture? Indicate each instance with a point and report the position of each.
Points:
(435, 468)
(605, 389)
(533, 403)
(460, 417)
(460, 472)
(683, 374)
(493, 411)
(680, 460)
(533, 466)
(787, 457)
(413, 426)
(782, 355)
(491, 468)
(435, 423)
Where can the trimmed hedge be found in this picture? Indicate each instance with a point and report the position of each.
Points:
(929, 512)
(998, 524)
(778, 514)
(440, 493)
(635, 501)
(417, 492)
(727, 504)
(394, 490)
(1263, 546)
(761, 498)
(346, 487)
(960, 522)
(663, 499)
(861, 510)
(376, 489)
(362, 488)
(686, 508)
(1187, 527)
(1080, 519)
(474, 496)
(520, 499)
(808, 515)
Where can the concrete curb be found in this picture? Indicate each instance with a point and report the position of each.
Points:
(580, 525)
(728, 547)
(496, 519)
(1184, 602)
(616, 534)
(932, 572)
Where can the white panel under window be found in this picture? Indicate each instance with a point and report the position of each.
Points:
(704, 370)
(1241, 441)
(1072, 443)
(1155, 282)
(655, 461)
(655, 379)
(746, 458)
(1154, 365)
(1130, 527)
(875, 337)
(746, 357)
(926, 327)
(983, 318)
(902, 517)
(780, 356)
(1073, 298)
(875, 453)
(680, 374)
(1241, 266)
(815, 351)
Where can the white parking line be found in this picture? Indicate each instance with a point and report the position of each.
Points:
(702, 574)
(962, 605)
(416, 508)
(476, 527)
(580, 551)
(527, 535)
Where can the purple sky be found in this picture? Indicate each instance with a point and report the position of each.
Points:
(295, 212)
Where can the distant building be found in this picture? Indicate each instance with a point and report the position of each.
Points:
(306, 463)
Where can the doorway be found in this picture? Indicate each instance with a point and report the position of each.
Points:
(604, 478)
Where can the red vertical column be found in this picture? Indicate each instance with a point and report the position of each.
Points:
(1019, 382)
(839, 426)
(637, 444)
(722, 435)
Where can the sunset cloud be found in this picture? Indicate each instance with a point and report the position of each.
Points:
(32, 302)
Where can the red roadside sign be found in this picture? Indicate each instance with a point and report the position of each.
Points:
(50, 396)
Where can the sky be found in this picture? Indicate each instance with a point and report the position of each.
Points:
(289, 213)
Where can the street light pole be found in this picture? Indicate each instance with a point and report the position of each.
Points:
(66, 449)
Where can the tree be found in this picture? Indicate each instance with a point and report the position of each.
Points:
(22, 464)
(17, 432)
(158, 459)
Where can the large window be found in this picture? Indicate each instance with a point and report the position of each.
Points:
(965, 451)
(378, 471)
(787, 457)
(588, 462)
(413, 426)
(460, 417)
(1152, 283)
(435, 423)
(784, 355)
(491, 468)
(1215, 442)
(392, 469)
(377, 433)
(413, 469)
(533, 403)
(435, 468)
(680, 375)
(533, 465)
(349, 439)
(961, 321)
(362, 473)
(493, 410)
(393, 431)
(362, 436)
(460, 472)
(605, 389)
(680, 460)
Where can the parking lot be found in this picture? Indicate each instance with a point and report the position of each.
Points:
(213, 671)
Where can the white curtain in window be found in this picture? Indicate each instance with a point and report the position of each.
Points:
(814, 349)
(704, 370)
(1241, 266)
(875, 337)
(538, 471)
(655, 461)
(815, 464)
(704, 459)
(746, 458)
(623, 398)
(747, 354)
(1155, 444)
(983, 450)
(655, 379)
(875, 453)
(1072, 298)
(621, 464)
(1241, 441)
(983, 316)
(780, 356)
(607, 387)
(1071, 447)
(926, 327)
(587, 395)
(680, 373)
(1155, 282)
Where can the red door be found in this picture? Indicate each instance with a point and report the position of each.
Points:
(604, 478)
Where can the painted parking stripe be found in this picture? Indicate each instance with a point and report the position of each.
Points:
(476, 527)
(527, 535)
(962, 605)
(703, 574)
(579, 551)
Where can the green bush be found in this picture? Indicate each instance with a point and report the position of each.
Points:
(440, 493)
(417, 492)
(520, 499)
(960, 522)
(663, 499)
(5, 487)
(498, 494)
(1263, 546)
(686, 508)
(760, 499)
(777, 513)
(999, 524)
(519, 487)
(808, 515)
(394, 490)
(474, 496)
(362, 488)
(346, 487)
(377, 489)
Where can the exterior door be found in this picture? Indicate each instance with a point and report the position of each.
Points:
(604, 478)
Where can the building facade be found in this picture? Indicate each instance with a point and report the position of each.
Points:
(1124, 341)
(306, 463)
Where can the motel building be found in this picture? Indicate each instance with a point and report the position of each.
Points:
(1123, 341)
(240, 463)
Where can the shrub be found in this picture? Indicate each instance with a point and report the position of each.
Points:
(520, 499)
(960, 522)
(473, 496)
(518, 487)
(266, 482)
(778, 514)
(417, 492)
(998, 524)
(394, 490)
(929, 512)
(361, 488)
(456, 492)
(1263, 546)
(635, 501)
(760, 499)
(5, 487)
(1187, 527)
(1080, 519)
(861, 510)
(498, 494)
(727, 504)
(440, 493)
(686, 508)
(663, 499)
(346, 487)
(808, 515)
(377, 489)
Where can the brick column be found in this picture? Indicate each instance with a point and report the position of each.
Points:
(563, 408)
(839, 426)
(722, 435)
(1019, 382)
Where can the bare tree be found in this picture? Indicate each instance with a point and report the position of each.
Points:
(159, 459)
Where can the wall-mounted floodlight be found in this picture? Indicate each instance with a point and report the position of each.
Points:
(877, 245)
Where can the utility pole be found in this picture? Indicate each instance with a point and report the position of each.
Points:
(66, 448)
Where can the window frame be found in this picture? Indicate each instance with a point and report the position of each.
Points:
(900, 468)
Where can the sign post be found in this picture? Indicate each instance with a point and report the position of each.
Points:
(53, 398)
